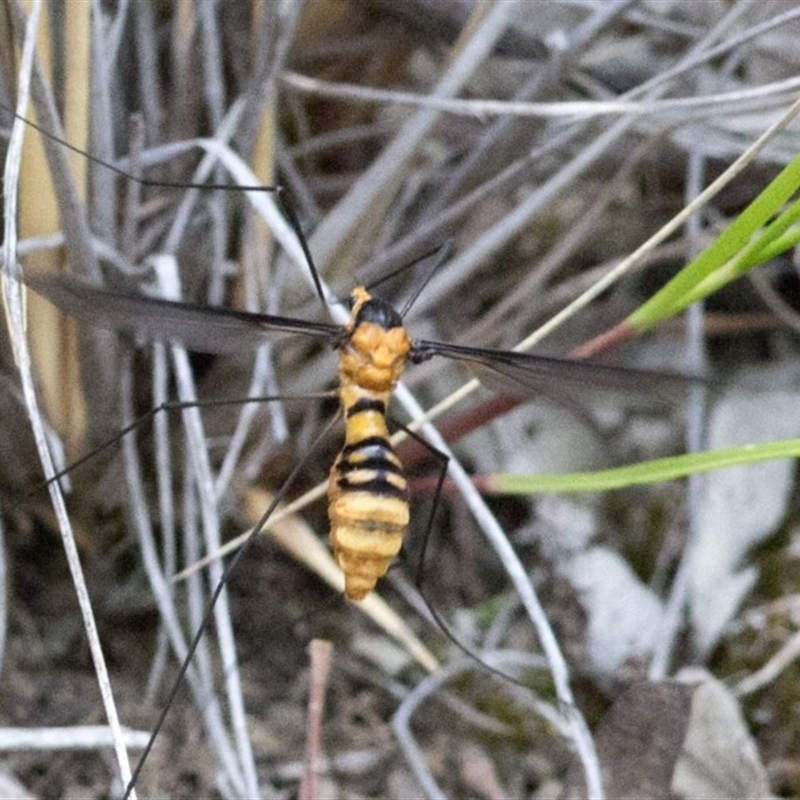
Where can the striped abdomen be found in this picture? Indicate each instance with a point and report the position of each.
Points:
(368, 499)
(367, 489)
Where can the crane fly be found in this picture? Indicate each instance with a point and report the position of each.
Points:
(367, 489)
(368, 506)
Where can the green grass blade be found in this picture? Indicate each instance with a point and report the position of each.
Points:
(658, 470)
(744, 244)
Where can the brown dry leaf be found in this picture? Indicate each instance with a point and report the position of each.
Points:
(684, 738)
(639, 741)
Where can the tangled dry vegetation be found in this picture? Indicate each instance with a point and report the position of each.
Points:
(544, 141)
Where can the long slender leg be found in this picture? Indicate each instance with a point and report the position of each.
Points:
(420, 571)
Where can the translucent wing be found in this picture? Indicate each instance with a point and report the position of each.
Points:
(206, 329)
(212, 329)
(524, 375)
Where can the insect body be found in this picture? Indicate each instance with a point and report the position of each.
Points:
(368, 505)
(367, 493)
(367, 489)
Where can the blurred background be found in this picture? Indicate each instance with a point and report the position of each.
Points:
(545, 142)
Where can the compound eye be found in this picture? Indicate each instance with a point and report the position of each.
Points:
(380, 313)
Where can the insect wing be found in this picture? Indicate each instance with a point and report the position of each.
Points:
(525, 376)
(206, 329)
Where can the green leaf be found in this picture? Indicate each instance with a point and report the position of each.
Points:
(662, 469)
(759, 233)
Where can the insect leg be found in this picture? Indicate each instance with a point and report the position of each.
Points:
(204, 699)
(420, 571)
(159, 573)
(185, 669)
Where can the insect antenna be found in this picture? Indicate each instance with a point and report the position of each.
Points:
(372, 285)
(404, 267)
(443, 253)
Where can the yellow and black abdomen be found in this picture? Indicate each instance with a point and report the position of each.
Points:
(367, 489)
(367, 499)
